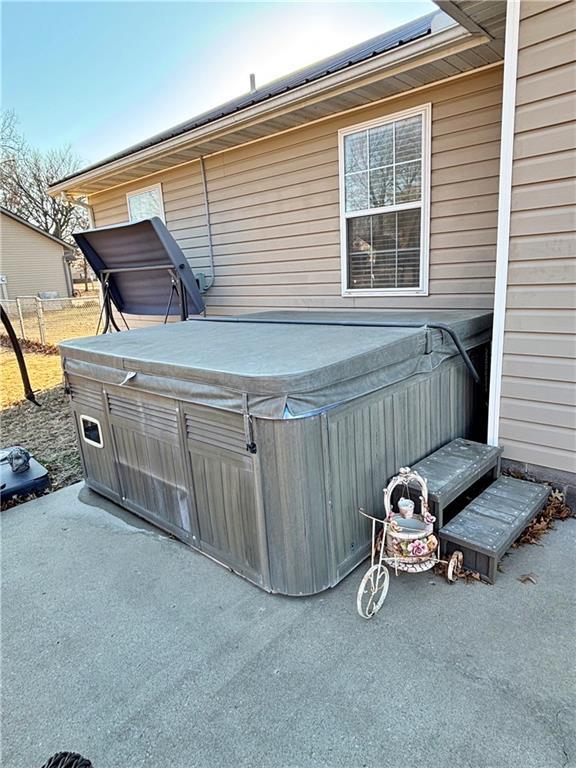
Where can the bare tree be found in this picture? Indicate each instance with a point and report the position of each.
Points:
(11, 140)
(25, 176)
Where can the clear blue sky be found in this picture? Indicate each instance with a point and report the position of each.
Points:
(103, 75)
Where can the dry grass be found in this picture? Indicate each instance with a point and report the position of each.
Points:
(72, 323)
(73, 320)
(61, 324)
(48, 433)
(44, 370)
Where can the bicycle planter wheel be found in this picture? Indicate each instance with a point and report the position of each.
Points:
(372, 591)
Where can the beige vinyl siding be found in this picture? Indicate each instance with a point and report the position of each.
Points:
(275, 211)
(538, 407)
(30, 261)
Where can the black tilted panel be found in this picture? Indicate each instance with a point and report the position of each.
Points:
(135, 248)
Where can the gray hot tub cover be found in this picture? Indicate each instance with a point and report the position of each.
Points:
(273, 371)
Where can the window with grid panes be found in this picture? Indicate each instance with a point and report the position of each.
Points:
(384, 201)
(145, 203)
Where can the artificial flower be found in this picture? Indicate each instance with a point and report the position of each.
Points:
(418, 548)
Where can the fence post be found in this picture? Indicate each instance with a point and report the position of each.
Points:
(20, 318)
(40, 316)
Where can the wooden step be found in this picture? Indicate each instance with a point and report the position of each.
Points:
(486, 528)
(452, 469)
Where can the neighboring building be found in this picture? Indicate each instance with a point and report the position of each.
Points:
(31, 260)
(419, 170)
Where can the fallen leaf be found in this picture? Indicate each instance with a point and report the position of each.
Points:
(556, 509)
(527, 577)
(474, 575)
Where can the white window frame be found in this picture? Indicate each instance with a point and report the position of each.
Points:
(83, 419)
(422, 290)
(157, 188)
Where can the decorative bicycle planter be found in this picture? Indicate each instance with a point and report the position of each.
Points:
(403, 540)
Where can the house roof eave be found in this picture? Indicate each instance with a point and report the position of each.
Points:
(479, 18)
(448, 40)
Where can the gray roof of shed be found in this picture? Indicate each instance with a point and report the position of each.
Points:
(387, 41)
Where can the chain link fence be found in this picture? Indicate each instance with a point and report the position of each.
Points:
(50, 321)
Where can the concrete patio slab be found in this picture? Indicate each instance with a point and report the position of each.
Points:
(123, 644)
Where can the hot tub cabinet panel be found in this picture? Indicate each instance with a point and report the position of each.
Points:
(292, 460)
(151, 465)
(317, 472)
(272, 495)
(225, 482)
(100, 468)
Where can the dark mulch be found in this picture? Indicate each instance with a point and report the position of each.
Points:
(48, 433)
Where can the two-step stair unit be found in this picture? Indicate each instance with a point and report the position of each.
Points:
(486, 527)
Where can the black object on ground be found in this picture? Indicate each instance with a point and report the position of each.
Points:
(34, 479)
(67, 760)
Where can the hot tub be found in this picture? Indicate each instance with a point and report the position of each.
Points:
(255, 442)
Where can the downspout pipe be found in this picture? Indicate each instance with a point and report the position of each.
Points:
(210, 281)
(68, 273)
(504, 215)
(87, 207)
(385, 324)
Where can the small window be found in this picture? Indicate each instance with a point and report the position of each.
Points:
(384, 203)
(91, 431)
(145, 203)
